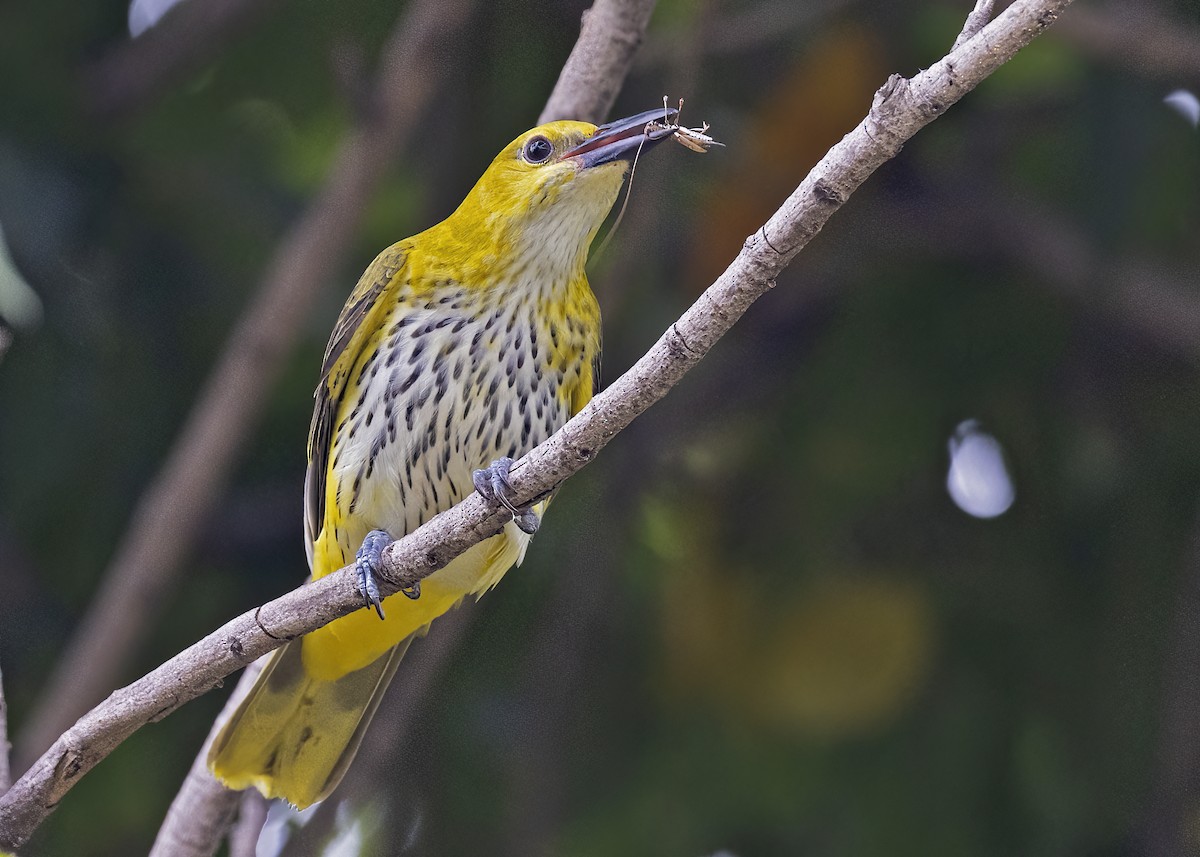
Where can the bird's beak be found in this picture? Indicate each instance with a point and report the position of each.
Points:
(623, 138)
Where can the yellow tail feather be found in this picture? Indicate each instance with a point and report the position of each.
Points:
(294, 736)
(296, 732)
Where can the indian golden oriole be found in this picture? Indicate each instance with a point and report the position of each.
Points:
(469, 343)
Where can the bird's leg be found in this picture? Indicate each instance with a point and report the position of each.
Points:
(366, 567)
(492, 483)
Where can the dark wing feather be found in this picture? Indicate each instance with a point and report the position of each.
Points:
(359, 317)
(596, 367)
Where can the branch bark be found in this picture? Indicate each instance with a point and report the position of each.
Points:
(252, 815)
(899, 110)
(174, 508)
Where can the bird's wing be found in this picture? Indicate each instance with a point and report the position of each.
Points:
(595, 369)
(589, 384)
(361, 315)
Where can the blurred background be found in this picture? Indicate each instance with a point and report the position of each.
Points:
(910, 564)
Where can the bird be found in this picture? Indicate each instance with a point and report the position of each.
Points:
(460, 349)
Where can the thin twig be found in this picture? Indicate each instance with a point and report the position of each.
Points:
(976, 21)
(588, 84)
(174, 508)
(900, 109)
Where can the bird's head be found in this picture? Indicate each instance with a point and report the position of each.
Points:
(543, 198)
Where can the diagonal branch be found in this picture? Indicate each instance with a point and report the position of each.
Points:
(173, 509)
(900, 109)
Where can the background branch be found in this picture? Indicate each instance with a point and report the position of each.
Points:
(1158, 302)
(203, 809)
(900, 109)
(252, 815)
(590, 80)
(172, 511)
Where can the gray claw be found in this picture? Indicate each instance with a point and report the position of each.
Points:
(493, 484)
(366, 566)
(528, 521)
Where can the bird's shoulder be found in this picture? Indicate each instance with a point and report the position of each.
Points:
(389, 272)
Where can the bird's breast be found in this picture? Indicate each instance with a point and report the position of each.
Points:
(452, 380)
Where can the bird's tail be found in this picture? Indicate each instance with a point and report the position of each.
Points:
(294, 736)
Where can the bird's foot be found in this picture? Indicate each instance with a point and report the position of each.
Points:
(366, 568)
(493, 484)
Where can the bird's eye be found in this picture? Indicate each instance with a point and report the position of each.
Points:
(538, 150)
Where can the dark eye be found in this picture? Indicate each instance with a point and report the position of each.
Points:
(537, 150)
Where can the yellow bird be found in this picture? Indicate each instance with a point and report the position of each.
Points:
(469, 343)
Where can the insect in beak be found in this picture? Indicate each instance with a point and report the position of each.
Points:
(622, 139)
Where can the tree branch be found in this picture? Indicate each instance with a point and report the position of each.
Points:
(174, 508)
(589, 82)
(900, 109)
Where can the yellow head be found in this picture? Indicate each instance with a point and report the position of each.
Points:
(544, 196)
